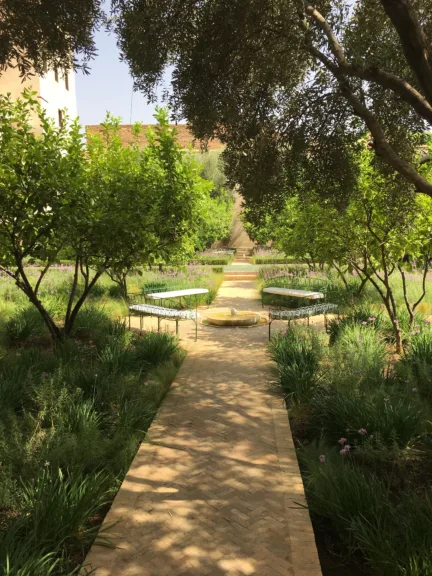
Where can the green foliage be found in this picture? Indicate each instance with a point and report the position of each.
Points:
(393, 534)
(416, 363)
(212, 169)
(360, 351)
(56, 518)
(71, 419)
(366, 425)
(41, 39)
(297, 354)
(110, 207)
(25, 325)
(299, 132)
(212, 260)
(389, 416)
(272, 260)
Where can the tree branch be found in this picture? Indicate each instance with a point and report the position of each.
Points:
(382, 146)
(387, 80)
(413, 40)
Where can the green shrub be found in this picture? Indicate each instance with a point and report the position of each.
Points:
(212, 260)
(383, 417)
(272, 260)
(416, 363)
(360, 316)
(394, 532)
(24, 325)
(92, 323)
(297, 354)
(359, 358)
(153, 349)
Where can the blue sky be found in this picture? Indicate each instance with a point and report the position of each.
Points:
(109, 87)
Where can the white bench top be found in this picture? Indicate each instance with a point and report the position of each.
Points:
(176, 293)
(151, 310)
(292, 292)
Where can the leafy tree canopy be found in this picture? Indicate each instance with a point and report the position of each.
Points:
(291, 87)
(47, 33)
(112, 207)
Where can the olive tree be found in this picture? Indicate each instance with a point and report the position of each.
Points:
(290, 86)
(47, 34)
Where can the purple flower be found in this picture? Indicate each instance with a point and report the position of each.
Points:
(342, 441)
(372, 319)
(386, 399)
(362, 431)
(322, 458)
(345, 449)
(414, 389)
(415, 332)
(364, 323)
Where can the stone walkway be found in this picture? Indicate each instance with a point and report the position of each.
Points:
(215, 489)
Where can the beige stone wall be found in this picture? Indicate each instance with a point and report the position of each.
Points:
(10, 82)
(239, 237)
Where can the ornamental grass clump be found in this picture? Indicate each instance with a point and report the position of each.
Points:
(393, 531)
(386, 416)
(71, 419)
(359, 358)
(361, 316)
(416, 363)
(297, 354)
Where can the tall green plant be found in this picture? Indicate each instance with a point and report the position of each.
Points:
(112, 206)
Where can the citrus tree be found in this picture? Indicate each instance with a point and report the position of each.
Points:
(112, 207)
(385, 231)
(150, 198)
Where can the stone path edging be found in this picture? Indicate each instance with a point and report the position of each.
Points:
(304, 555)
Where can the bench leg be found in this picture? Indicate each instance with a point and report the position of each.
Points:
(270, 323)
(129, 322)
(159, 325)
(176, 327)
(141, 324)
(308, 323)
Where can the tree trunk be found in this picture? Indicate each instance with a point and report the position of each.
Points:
(71, 320)
(123, 286)
(415, 45)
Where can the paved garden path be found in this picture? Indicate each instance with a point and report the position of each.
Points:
(215, 489)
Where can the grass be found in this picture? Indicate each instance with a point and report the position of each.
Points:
(72, 417)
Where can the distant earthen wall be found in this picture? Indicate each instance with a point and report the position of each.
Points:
(184, 135)
(239, 237)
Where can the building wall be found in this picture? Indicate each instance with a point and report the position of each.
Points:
(239, 237)
(184, 135)
(10, 82)
(55, 96)
(52, 94)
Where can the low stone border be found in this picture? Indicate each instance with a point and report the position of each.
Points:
(304, 554)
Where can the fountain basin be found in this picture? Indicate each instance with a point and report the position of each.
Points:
(243, 318)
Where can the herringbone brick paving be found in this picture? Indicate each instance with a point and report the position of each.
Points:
(215, 489)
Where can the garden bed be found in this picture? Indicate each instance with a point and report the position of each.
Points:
(72, 415)
(361, 421)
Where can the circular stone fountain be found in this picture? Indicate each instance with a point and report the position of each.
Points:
(235, 318)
